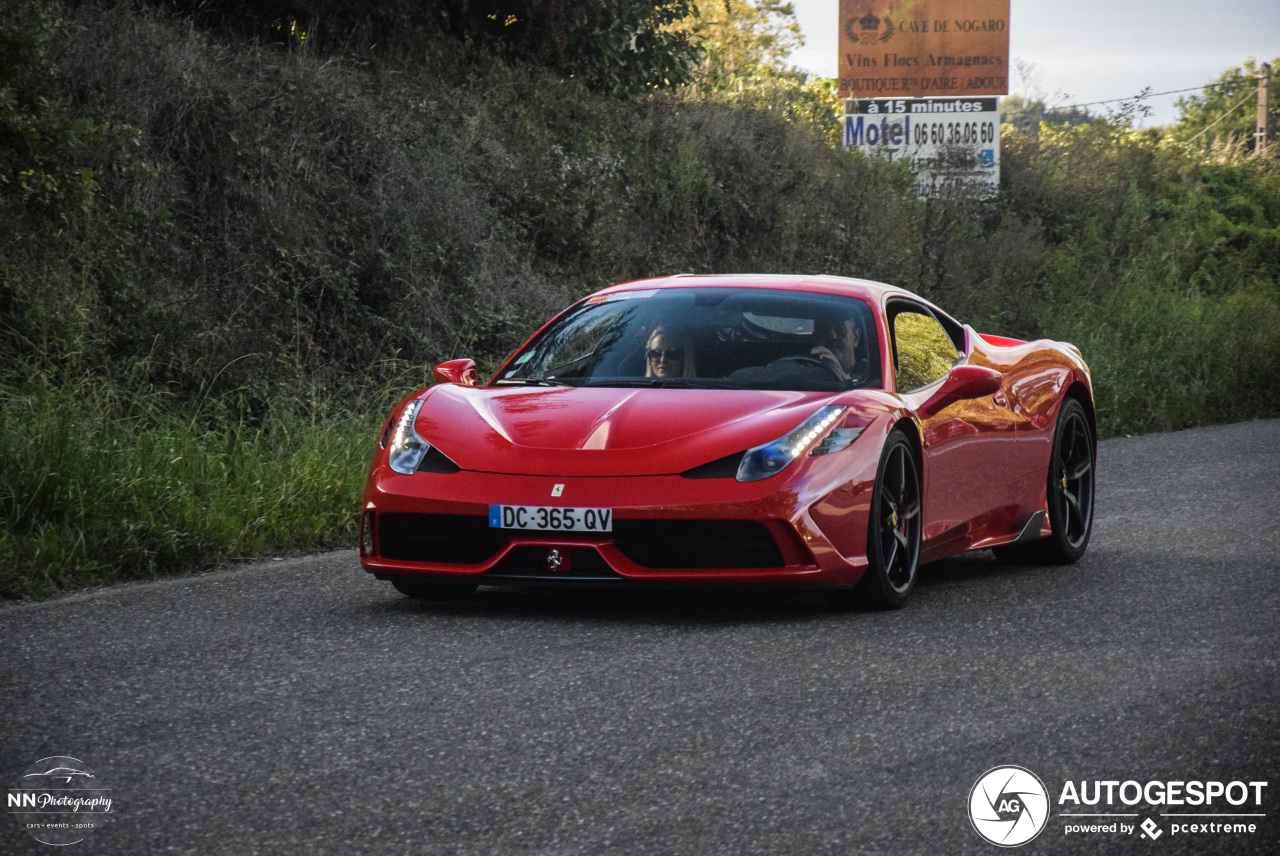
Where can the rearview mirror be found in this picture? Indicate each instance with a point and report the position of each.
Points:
(457, 371)
(964, 382)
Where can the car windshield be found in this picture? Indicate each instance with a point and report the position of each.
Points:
(735, 338)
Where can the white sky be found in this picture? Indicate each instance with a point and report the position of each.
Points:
(1093, 50)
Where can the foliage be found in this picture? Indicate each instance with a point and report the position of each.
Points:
(743, 39)
(623, 46)
(746, 45)
(1026, 114)
(1226, 111)
(238, 232)
(1163, 268)
(60, 241)
(99, 485)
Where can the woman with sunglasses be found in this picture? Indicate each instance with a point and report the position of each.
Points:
(669, 353)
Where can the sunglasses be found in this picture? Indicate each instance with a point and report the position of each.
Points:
(672, 354)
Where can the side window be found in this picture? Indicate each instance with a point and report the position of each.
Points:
(923, 352)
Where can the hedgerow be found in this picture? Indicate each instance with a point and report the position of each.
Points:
(231, 244)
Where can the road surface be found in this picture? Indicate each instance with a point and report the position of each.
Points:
(301, 706)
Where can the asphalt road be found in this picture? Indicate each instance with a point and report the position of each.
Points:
(300, 706)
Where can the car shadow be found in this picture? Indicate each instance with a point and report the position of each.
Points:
(672, 606)
(702, 606)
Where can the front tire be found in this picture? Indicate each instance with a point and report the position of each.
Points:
(894, 528)
(1070, 491)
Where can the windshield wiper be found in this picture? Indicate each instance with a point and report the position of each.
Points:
(668, 383)
(530, 381)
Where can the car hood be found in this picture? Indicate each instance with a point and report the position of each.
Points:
(567, 431)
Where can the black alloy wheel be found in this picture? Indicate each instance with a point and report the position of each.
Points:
(1070, 490)
(893, 529)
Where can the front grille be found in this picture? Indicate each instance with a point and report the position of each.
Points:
(531, 562)
(697, 543)
(461, 539)
(442, 539)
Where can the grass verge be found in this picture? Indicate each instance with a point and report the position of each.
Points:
(93, 492)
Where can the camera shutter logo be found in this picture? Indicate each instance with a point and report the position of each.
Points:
(1008, 806)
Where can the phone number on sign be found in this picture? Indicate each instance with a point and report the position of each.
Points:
(953, 133)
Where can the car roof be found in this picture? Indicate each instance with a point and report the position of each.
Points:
(847, 286)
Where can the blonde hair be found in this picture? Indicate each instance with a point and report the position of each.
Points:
(680, 339)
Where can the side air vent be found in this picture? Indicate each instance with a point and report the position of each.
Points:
(723, 468)
(435, 461)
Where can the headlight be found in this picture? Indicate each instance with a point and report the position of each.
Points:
(763, 461)
(407, 446)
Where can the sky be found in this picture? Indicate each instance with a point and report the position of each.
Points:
(1095, 50)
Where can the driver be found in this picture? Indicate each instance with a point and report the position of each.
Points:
(669, 353)
(837, 347)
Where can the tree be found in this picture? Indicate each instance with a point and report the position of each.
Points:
(625, 46)
(744, 39)
(1026, 114)
(1226, 111)
(1027, 110)
(747, 45)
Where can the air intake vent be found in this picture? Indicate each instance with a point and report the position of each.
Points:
(442, 539)
(697, 543)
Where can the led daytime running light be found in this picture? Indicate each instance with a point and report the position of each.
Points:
(764, 461)
(407, 446)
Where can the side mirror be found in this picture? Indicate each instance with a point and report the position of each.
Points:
(964, 382)
(457, 371)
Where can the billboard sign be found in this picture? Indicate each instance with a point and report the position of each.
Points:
(923, 48)
(951, 145)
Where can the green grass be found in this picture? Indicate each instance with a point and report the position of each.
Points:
(91, 495)
(213, 243)
(98, 485)
(1164, 360)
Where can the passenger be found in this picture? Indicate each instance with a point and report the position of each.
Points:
(669, 353)
(837, 347)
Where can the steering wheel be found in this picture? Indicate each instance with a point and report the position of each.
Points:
(808, 361)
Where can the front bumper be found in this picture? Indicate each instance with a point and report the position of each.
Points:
(667, 530)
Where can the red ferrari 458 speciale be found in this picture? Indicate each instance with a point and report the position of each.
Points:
(728, 430)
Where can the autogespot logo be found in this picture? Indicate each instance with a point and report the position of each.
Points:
(1008, 806)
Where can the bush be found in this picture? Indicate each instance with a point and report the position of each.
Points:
(217, 240)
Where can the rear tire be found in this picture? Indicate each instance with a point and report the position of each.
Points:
(425, 590)
(1070, 491)
(894, 529)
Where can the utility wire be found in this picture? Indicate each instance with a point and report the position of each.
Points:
(1140, 96)
(1224, 115)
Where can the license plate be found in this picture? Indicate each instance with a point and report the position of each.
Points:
(551, 519)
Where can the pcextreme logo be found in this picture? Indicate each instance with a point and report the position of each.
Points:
(1009, 806)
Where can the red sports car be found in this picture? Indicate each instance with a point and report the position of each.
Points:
(726, 430)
